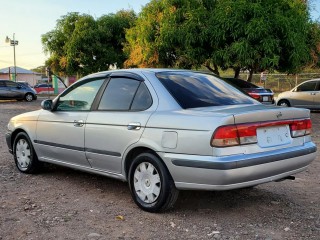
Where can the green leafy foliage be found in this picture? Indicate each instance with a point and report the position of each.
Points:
(81, 45)
(241, 34)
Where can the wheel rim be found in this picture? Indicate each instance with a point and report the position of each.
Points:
(23, 154)
(29, 97)
(284, 104)
(147, 183)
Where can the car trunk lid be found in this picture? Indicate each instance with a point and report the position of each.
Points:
(259, 128)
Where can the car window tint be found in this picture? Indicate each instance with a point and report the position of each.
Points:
(241, 83)
(192, 90)
(11, 84)
(308, 86)
(2, 84)
(80, 98)
(118, 94)
(142, 100)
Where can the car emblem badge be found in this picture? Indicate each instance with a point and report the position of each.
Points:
(279, 115)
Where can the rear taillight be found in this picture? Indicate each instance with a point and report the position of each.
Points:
(247, 133)
(225, 136)
(254, 95)
(241, 134)
(300, 127)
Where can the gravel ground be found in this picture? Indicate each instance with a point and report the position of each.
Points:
(61, 203)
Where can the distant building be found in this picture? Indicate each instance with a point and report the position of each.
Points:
(22, 75)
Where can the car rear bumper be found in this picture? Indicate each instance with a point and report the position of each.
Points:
(237, 171)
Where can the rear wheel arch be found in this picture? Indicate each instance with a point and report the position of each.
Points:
(284, 102)
(132, 154)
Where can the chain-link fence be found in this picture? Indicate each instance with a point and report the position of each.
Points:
(281, 82)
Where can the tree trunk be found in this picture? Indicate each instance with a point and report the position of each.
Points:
(250, 75)
(215, 70)
(236, 72)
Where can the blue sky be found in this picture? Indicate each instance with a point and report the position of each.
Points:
(30, 19)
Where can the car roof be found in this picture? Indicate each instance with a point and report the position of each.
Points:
(143, 70)
(310, 80)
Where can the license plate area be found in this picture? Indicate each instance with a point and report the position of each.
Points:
(273, 136)
(265, 98)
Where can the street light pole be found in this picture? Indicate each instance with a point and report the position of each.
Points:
(14, 58)
(13, 43)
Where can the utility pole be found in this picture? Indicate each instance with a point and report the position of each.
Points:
(13, 43)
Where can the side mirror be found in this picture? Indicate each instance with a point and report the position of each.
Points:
(47, 104)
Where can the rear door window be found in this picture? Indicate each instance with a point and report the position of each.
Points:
(308, 86)
(142, 100)
(119, 94)
(124, 94)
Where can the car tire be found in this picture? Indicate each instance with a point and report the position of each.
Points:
(25, 157)
(284, 103)
(28, 97)
(151, 184)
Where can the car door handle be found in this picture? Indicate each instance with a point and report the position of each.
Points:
(313, 93)
(78, 123)
(134, 126)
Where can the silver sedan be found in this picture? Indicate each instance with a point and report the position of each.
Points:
(163, 131)
(305, 95)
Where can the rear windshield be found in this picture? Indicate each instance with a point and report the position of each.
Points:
(240, 83)
(193, 90)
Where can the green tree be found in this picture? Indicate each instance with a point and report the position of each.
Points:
(240, 34)
(314, 42)
(79, 44)
(263, 35)
(170, 33)
(54, 42)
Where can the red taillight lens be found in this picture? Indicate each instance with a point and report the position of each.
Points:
(308, 126)
(254, 95)
(233, 135)
(247, 133)
(240, 134)
(300, 127)
(225, 136)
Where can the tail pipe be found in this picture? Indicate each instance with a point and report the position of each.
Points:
(286, 178)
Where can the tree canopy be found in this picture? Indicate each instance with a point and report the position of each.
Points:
(240, 34)
(251, 35)
(80, 44)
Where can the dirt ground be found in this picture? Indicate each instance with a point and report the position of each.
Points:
(61, 203)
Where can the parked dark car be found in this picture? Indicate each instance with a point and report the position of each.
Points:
(24, 83)
(261, 94)
(13, 90)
